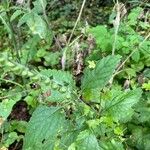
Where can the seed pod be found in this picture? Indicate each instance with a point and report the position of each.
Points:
(68, 96)
(55, 86)
(24, 73)
(47, 81)
(16, 69)
(35, 78)
(2, 60)
(63, 89)
(30, 74)
(9, 64)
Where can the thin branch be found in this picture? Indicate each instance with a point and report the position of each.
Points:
(11, 82)
(116, 26)
(63, 59)
(76, 23)
(49, 25)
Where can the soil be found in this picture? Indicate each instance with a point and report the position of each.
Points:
(19, 112)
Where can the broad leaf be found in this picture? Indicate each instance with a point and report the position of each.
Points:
(111, 145)
(43, 128)
(120, 106)
(86, 141)
(100, 75)
(39, 6)
(37, 25)
(102, 37)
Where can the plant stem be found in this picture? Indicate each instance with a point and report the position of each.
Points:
(76, 23)
(122, 64)
(116, 26)
(13, 38)
(63, 60)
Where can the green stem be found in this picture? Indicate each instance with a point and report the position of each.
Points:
(11, 82)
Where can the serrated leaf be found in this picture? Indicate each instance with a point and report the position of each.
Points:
(102, 37)
(111, 145)
(43, 128)
(120, 106)
(100, 75)
(86, 141)
(136, 56)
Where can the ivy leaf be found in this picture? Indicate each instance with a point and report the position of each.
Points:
(100, 75)
(45, 123)
(120, 106)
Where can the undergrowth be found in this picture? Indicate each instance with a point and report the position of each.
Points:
(72, 85)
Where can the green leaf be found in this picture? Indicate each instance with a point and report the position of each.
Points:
(111, 145)
(37, 25)
(43, 128)
(100, 75)
(133, 16)
(102, 37)
(10, 138)
(136, 56)
(16, 14)
(61, 78)
(24, 19)
(147, 72)
(146, 86)
(120, 107)
(7, 105)
(140, 137)
(86, 141)
(52, 59)
(130, 72)
(39, 6)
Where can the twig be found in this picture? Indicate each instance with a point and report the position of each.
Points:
(79, 16)
(116, 26)
(63, 59)
(11, 82)
(49, 25)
